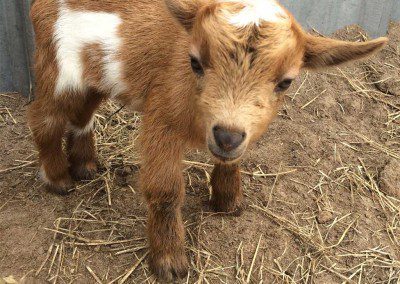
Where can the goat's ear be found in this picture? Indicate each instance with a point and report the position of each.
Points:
(324, 52)
(184, 11)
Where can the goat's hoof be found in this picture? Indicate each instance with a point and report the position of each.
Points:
(168, 268)
(62, 187)
(231, 209)
(86, 171)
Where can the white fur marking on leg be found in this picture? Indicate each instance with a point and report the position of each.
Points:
(111, 81)
(43, 175)
(84, 130)
(256, 11)
(76, 29)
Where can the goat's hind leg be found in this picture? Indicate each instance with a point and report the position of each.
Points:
(81, 154)
(81, 140)
(48, 126)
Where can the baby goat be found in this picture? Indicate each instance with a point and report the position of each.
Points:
(205, 73)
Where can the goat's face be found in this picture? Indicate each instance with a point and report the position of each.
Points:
(243, 73)
(245, 56)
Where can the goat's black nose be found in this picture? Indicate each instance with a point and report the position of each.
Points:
(228, 140)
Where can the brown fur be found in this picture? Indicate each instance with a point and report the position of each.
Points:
(227, 192)
(242, 68)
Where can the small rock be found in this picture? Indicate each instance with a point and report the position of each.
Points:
(324, 217)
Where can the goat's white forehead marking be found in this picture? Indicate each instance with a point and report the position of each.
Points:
(256, 11)
(76, 29)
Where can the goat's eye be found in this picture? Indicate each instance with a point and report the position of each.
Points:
(283, 85)
(196, 66)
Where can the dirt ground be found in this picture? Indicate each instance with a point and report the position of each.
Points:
(322, 193)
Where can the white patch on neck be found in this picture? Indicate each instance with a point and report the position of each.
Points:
(256, 11)
(76, 29)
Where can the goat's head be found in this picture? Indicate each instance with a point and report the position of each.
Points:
(245, 54)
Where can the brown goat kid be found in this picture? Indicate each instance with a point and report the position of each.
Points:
(205, 73)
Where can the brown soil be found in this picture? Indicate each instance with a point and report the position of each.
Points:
(332, 216)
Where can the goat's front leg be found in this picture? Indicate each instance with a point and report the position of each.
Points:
(227, 194)
(163, 187)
